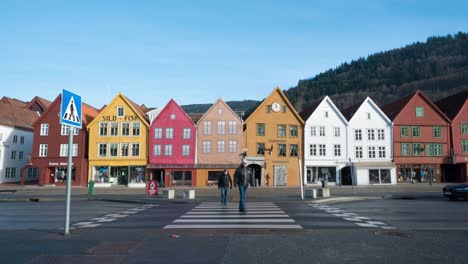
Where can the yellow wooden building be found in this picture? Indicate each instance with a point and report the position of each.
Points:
(118, 139)
(273, 138)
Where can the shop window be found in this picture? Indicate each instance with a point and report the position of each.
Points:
(378, 176)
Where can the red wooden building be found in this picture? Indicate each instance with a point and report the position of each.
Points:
(456, 108)
(421, 138)
(50, 147)
(172, 138)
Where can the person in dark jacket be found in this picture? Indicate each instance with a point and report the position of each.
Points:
(224, 182)
(242, 178)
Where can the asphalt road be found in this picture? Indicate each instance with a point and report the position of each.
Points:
(426, 229)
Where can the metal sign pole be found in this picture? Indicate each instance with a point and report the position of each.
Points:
(300, 178)
(69, 176)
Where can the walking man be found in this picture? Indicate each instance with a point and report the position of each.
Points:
(224, 182)
(242, 178)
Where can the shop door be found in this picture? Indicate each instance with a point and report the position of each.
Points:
(280, 175)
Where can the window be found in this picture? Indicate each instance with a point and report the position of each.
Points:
(185, 150)
(43, 150)
(404, 131)
(405, 149)
(168, 150)
(282, 150)
(336, 131)
(416, 131)
(322, 131)
(169, 132)
(380, 134)
(221, 127)
(136, 129)
(64, 130)
(232, 146)
(103, 129)
(313, 131)
(125, 129)
(232, 129)
(21, 155)
(293, 131)
(157, 150)
(370, 134)
(261, 149)
(268, 108)
(420, 111)
(378, 176)
(44, 129)
(260, 129)
(382, 152)
(206, 146)
(464, 145)
(220, 111)
(281, 130)
(293, 150)
(434, 149)
(221, 146)
(206, 127)
(437, 132)
(358, 135)
(15, 139)
(322, 151)
(284, 109)
(158, 133)
(135, 149)
(124, 150)
(187, 132)
(13, 155)
(417, 149)
(114, 130)
(337, 149)
(368, 115)
(371, 152)
(326, 114)
(358, 152)
(114, 149)
(120, 111)
(313, 150)
(102, 150)
(21, 140)
(464, 128)
(64, 150)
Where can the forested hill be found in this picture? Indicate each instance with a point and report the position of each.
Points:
(438, 67)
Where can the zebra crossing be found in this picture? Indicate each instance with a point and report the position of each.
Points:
(259, 215)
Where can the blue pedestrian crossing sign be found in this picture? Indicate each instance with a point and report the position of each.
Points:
(70, 109)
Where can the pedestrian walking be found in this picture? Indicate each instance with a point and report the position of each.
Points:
(242, 178)
(224, 182)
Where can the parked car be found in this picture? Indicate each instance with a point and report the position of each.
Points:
(456, 191)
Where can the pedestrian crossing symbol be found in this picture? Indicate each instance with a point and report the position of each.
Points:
(70, 110)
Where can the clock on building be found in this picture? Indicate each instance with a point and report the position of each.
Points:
(275, 107)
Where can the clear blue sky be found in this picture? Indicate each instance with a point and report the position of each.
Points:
(199, 51)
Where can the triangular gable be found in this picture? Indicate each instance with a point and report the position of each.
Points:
(375, 106)
(169, 105)
(453, 104)
(220, 101)
(48, 109)
(284, 98)
(430, 103)
(337, 111)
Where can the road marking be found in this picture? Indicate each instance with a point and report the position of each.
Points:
(234, 221)
(234, 226)
(233, 216)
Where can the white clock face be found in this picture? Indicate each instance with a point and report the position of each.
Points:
(275, 107)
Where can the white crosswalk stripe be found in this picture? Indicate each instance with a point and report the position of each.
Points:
(259, 215)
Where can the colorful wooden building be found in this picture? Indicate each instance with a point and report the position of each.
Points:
(219, 143)
(172, 137)
(421, 138)
(118, 139)
(50, 147)
(273, 141)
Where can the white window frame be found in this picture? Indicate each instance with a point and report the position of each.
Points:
(232, 146)
(157, 150)
(206, 127)
(169, 133)
(232, 128)
(168, 150)
(43, 148)
(221, 146)
(44, 130)
(187, 133)
(221, 127)
(158, 133)
(206, 146)
(185, 150)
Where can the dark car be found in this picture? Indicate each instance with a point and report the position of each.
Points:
(456, 191)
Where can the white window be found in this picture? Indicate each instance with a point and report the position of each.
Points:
(187, 132)
(21, 140)
(114, 129)
(326, 114)
(337, 150)
(13, 154)
(313, 150)
(322, 151)
(103, 129)
(368, 115)
(20, 156)
(221, 127)
(185, 150)
(370, 134)
(43, 150)
(120, 111)
(168, 150)
(136, 129)
(114, 149)
(382, 152)
(313, 131)
(221, 146)
(220, 111)
(158, 133)
(206, 146)
(371, 152)
(322, 131)
(380, 134)
(358, 152)
(125, 129)
(102, 150)
(157, 150)
(135, 149)
(232, 130)
(336, 131)
(232, 146)
(64, 150)
(124, 150)
(358, 135)
(15, 139)
(64, 130)
(169, 133)
(44, 129)
(206, 127)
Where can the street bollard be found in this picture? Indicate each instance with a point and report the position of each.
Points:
(91, 188)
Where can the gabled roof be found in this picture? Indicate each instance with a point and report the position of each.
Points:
(392, 110)
(14, 102)
(173, 103)
(325, 99)
(285, 99)
(220, 101)
(452, 105)
(305, 114)
(13, 115)
(43, 103)
(353, 109)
